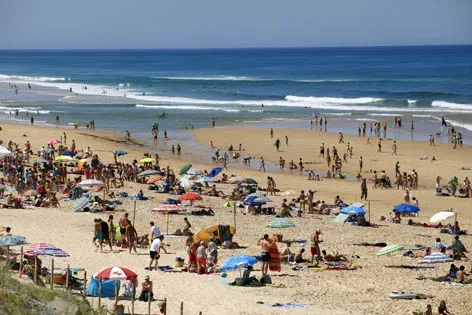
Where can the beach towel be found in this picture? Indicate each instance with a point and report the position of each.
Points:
(274, 263)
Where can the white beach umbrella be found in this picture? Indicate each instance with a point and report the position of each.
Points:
(441, 216)
(91, 182)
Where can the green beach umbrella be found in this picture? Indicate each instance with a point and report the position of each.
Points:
(389, 249)
(184, 169)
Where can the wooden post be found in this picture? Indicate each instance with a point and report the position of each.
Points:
(168, 224)
(182, 308)
(149, 303)
(52, 274)
(21, 261)
(165, 306)
(132, 301)
(35, 276)
(116, 293)
(369, 211)
(85, 283)
(133, 293)
(134, 212)
(8, 257)
(67, 276)
(100, 293)
(234, 214)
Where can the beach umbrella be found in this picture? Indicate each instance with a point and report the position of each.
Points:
(79, 155)
(148, 160)
(116, 273)
(255, 201)
(215, 171)
(235, 179)
(91, 182)
(389, 249)
(280, 223)
(191, 196)
(249, 181)
(80, 203)
(11, 240)
(256, 194)
(185, 182)
(35, 248)
(234, 263)
(353, 210)
(184, 169)
(148, 173)
(65, 158)
(120, 152)
(195, 171)
(31, 193)
(4, 152)
(154, 179)
(406, 208)
(51, 251)
(165, 208)
(441, 216)
(205, 179)
(53, 141)
(41, 161)
(435, 258)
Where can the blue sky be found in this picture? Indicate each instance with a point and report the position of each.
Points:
(104, 24)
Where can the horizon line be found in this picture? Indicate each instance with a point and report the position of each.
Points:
(235, 48)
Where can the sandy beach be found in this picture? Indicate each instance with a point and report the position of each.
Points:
(361, 291)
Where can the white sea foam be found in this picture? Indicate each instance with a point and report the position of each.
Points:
(34, 110)
(25, 79)
(188, 107)
(244, 78)
(422, 116)
(332, 100)
(443, 104)
(460, 124)
(411, 102)
(384, 114)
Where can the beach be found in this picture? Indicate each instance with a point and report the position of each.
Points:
(360, 291)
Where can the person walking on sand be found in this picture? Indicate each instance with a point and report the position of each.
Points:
(131, 236)
(277, 144)
(361, 164)
(271, 133)
(286, 140)
(379, 145)
(154, 251)
(364, 189)
(98, 238)
(315, 247)
(123, 223)
(394, 148)
(265, 256)
(262, 165)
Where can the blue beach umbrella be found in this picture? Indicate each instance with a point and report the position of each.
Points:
(215, 171)
(11, 240)
(253, 201)
(237, 262)
(205, 179)
(406, 208)
(120, 152)
(80, 203)
(353, 210)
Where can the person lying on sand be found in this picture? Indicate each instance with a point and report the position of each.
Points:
(333, 258)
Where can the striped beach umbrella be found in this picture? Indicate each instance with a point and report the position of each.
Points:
(148, 173)
(91, 182)
(256, 194)
(165, 208)
(389, 249)
(280, 223)
(436, 258)
(11, 240)
(115, 273)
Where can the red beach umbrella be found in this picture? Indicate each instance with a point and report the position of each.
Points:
(191, 196)
(115, 273)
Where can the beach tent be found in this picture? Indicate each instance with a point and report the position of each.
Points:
(342, 218)
(108, 287)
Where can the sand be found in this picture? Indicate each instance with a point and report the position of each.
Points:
(361, 291)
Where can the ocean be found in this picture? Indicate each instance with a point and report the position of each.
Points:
(128, 90)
